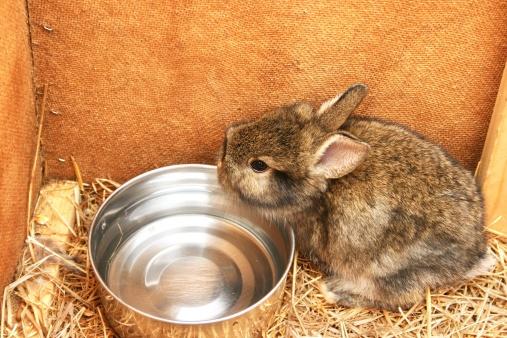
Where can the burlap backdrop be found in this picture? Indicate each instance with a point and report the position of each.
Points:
(140, 84)
(17, 133)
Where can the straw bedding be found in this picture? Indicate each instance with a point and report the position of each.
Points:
(474, 308)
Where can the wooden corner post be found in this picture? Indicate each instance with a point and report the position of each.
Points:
(492, 168)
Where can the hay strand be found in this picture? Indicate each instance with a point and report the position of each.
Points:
(37, 152)
(428, 313)
(77, 172)
(33, 171)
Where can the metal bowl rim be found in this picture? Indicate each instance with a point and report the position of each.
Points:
(134, 180)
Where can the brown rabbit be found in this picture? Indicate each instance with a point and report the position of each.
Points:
(383, 212)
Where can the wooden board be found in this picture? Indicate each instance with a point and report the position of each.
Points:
(492, 169)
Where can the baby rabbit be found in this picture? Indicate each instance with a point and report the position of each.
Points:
(382, 212)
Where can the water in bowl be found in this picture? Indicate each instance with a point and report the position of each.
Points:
(191, 268)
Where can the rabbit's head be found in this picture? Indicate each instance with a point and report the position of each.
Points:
(285, 159)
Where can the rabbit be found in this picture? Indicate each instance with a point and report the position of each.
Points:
(381, 211)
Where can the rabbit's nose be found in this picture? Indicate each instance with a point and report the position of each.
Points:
(221, 156)
(219, 162)
(228, 129)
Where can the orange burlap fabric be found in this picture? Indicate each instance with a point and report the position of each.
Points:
(144, 84)
(17, 133)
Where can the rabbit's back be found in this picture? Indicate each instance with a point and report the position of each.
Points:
(408, 205)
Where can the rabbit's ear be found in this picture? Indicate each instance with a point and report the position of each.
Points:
(334, 112)
(339, 155)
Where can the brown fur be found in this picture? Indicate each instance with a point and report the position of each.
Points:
(406, 218)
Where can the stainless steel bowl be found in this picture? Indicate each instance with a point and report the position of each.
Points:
(175, 257)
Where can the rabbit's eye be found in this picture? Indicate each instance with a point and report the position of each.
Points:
(258, 166)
